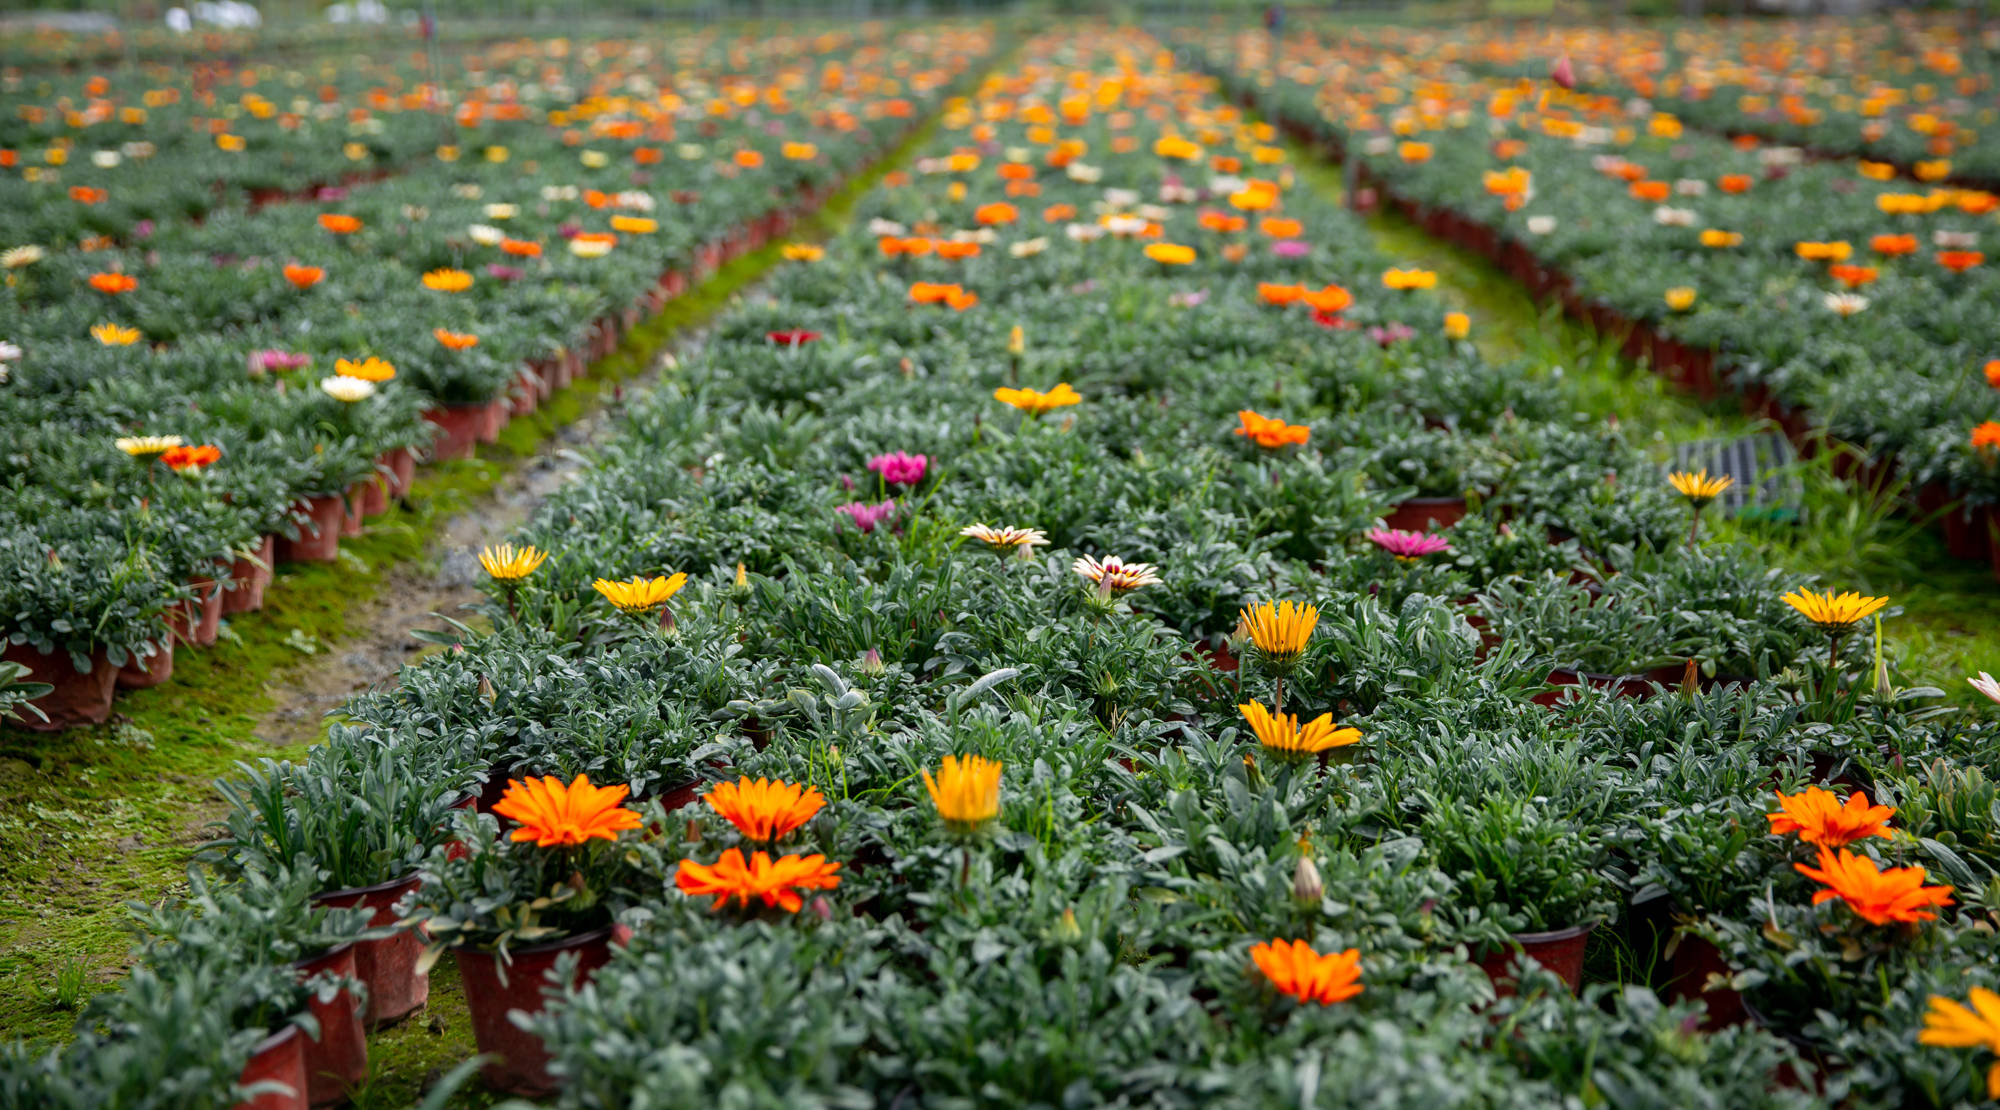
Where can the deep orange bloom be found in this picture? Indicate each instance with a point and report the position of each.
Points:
(1328, 299)
(1269, 432)
(1735, 182)
(84, 194)
(1222, 221)
(1272, 293)
(913, 246)
(191, 458)
(953, 249)
(1986, 436)
(777, 882)
(954, 296)
(748, 159)
(1653, 192)
(1895, 896)
(304, 277)
(339, 224)
(1993, 373)
(999, 212)
(1056, 212)
(1852, 276)
(764, 810)
(1279, 227)
(1819, 818)
(1295, 969)
(555, 816)
(113, 283)
(455, 340)
(1893, 244)
(521, 248)
(448, 280)
(1960, 261)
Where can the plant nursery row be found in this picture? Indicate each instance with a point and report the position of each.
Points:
(1830, 295)
(195, 393)
(1097, 632)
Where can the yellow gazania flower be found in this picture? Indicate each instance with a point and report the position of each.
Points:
(966, 791)
(1951, 1024)
(1834, 613)
(1457, 325)
(1280, 732)
(146, 447)
(1170, 254)
(1698, 487)
(1280, 631)
(1718, 238)
(802, 252)
(1409, 279)
(114, 335)
(640, 595)
(370, 369)
(448, 281)
(1034, 402)
(1680, 298)
(509, 563)
(634, 225)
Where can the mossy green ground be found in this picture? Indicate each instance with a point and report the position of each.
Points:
(1950, 622)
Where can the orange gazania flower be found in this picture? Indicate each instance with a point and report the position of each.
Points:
(304, 277)
(191, 459)
(776, 882)
(1735, 182)
(1820, 818)
(1986, 436)
(1273, 293)
(1222, 222)
(1852, 276)
(954, 296)
(999, 212)
(1295, 969)
(339, 224)
(370, 369)
(1992, 369)
(1328, 299)
(521, 248)
(455, 340)
(1950, 1024)
(1893, 244)
(913, 246)
(84, 194)
(113, 283)
(556, 816)
(748, 159)
(1269, 432)
(1836, 251)
(764, 810)
(1959, 261)
(448, 281)
(1653, 192)
(1895, 896)
(1170, 254)
(1057, 212)
(1279, 227)
(953, 249)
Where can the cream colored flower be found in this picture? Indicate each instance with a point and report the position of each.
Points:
(343, 388)
(1028, 247)
(501, 211)
(486, 235)
(146, 447)
(1846, 304)
(16, 257)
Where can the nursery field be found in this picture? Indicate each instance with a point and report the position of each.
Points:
(1003, 562)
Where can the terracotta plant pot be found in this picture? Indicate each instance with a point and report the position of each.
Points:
(389, 965)
(319, 537)
(1694, 959)
(492, 418)
(204, 612)
(79, 697)
(279, 1058)
(338, 1061)
(150, 671)
(522, 1067)
(458, 429)
(1419, 514)
(248, 577)
(374, 493)
(1560, 951)
(402, 467)
(352, 516)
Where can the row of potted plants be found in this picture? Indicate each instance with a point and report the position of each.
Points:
(190, 413)
(1830, 301)
(987, 675)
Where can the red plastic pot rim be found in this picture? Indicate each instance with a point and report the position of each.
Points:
(580, 940)
(276, 1039)
(305, 962)
(1555, 936)
(363, 891)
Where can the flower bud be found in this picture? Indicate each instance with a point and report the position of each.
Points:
(1067, 929)
(487, 693)
(871, 662)
(1017, 342)
(1307, 888)
(741, 588)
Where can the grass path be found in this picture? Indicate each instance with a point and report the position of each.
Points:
(1950, 624)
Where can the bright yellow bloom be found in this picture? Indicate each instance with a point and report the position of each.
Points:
(1680, 298)
(510, 564)
(1034, 402)
(1280, 632)
(370, 369)
(640, 595)
(1951, 1024)
(966, 791)
(1407, 280)
(1457, 325)
(1698, 487)
(802, 252)
(1832, 612)
(114, 335)
(448, 281)
(1170, 254)
(634, 225)
(1717, 238)
(1280, 732)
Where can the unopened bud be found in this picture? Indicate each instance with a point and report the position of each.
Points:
(741, 588)
(871, 662)
(1017, 341)
(487, 693)
(1068, 929)
(1307, 888)
(668, 626)
(822, 909)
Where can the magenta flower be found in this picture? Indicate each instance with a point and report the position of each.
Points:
(498, 272)
(1291, 248)
(900, 469)
(866, 516)
(1408, 545)
(1395, 333)
(261, 361)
